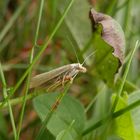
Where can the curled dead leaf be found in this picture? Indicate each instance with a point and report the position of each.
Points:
(111, 33)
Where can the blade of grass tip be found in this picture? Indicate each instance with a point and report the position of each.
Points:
(40, 52)
(8, 102)
(124, 76)
(53, 108)
(29, 74)
(12, 20)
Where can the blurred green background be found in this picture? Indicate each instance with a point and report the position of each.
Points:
(18, 23)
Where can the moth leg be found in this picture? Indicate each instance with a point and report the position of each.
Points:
(69, 78)
(63, 79)
(54, 85)
(66, 77)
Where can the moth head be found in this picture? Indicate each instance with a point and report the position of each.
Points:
(81, 68)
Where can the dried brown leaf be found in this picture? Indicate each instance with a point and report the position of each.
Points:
(111, 33)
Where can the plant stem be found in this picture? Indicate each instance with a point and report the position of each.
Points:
(8, 102)
(29, 74)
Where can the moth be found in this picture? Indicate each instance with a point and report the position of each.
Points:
(58, 76)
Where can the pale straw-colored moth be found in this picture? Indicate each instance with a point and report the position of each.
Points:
(58, 76)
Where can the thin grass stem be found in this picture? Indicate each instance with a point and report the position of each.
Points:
(8, 102)
(29, 74)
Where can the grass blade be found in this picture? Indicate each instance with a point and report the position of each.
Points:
(8, 102)
(29, 75)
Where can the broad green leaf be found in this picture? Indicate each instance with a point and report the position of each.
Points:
(68, 110)
(123, 125)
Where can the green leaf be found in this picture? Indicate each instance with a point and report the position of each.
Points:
(106, 64)
(109, 43)
(68, 110)
(123, 125)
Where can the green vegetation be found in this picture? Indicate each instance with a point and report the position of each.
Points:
(41, 36)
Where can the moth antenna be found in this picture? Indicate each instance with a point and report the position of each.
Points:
(73, 48)
(88, 57)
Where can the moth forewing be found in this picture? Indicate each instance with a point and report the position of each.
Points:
(47, 76)
(69, 70)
